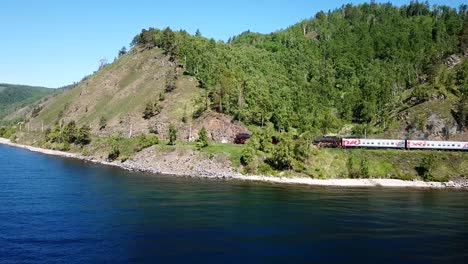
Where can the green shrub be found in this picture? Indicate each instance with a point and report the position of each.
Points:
(266, 169)
(420, 94)
(124, 158)
(283, 154)
(301, 150)
(198, 112)
(146, 141)
(113, 154)
(248, 155)
(352, 172)
(83, 135)
(102, 123)
(364, 168)
(114, 142)
(7, 132)
(162, 96)
(172, 135)
(61, 146)
(426, 168)
(202, 140)
(151, 109)
(36, 111)
(85, 152)
(69, 133)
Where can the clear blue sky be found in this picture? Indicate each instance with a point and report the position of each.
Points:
(56, 42)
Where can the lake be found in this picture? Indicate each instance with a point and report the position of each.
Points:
(55, 210)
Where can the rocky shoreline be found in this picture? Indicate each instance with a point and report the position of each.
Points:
(208, 169)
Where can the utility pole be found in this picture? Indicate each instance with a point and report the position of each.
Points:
(131, 131)
(42, 127)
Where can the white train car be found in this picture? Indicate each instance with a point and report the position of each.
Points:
(442, 145)
(372, 143)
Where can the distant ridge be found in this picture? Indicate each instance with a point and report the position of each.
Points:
(15, 96)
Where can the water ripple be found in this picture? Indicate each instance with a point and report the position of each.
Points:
(56, 210)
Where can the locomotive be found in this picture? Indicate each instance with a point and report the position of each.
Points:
(241, 138)
(336, 142)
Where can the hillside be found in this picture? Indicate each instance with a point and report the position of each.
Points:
(360, 65)
(14, 97)
(114, 99)
(373, 68)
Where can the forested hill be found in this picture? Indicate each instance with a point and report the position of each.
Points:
(360, 64)
(376, 68)
(14, 97)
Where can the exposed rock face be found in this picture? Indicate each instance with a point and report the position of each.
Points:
(453, 61)
(436, 128)
(220, 128)
(439, 128)
(181, 162)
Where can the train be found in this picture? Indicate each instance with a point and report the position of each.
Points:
(241, 138)
(337, 142)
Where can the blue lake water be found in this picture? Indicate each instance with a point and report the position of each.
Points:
(55, 210)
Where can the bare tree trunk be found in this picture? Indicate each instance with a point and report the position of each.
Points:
(190, 134)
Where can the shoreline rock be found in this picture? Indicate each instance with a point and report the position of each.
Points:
(163, 169)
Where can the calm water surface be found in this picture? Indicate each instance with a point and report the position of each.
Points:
(55, 210)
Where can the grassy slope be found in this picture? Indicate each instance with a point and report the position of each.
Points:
(120, 91)
(13, 97)
(398, 164)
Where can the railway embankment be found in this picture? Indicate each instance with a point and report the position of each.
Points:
(191, 164)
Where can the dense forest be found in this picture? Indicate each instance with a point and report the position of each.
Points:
(350, 65)
(13, 97)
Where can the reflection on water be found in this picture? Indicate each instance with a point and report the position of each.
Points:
(60, 210)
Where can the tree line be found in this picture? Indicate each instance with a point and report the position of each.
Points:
(352, 64)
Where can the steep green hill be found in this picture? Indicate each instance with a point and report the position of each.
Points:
(14, 97)
(142, 90)
(357, 64)
(372, 67)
